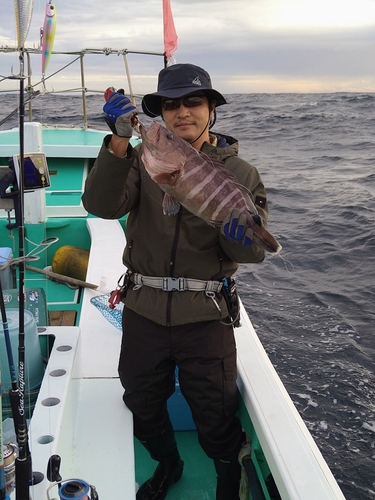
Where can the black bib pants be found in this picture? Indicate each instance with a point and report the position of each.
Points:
(205, 354)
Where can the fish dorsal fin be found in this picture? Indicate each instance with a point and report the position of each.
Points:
(214, 162)
(220, 166)
(170, 205)
(222, 170)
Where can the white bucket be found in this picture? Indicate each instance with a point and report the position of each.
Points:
(34, 368)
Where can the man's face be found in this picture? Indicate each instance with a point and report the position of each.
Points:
(187, 116)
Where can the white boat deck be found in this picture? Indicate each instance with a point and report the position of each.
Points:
(80, 414)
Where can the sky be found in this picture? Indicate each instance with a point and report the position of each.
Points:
(246, 45)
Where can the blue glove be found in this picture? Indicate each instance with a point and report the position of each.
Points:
(120, 114)
(234, 228)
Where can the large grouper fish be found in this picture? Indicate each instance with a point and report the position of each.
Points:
(199, 183)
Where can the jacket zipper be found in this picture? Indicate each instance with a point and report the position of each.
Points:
(172, 263)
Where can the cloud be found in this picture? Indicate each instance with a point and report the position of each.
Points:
(246, 45)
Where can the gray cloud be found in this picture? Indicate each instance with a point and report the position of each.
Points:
(243, 48)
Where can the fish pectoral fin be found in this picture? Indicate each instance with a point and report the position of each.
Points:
(170, 205)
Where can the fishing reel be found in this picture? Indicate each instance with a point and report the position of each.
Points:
(68, 489)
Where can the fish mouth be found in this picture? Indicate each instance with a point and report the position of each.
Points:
(152, 135)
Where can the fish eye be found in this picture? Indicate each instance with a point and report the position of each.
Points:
(169, 136)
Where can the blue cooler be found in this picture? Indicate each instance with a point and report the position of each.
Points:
(179, 410)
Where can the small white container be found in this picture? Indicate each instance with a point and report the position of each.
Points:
(6, 273)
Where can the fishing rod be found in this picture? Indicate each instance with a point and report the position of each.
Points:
(13, 391)
(2, 473)
(12, 367)
(23, 15)
(24, 474)
(17, 390)
(23, 460)
(23, 468)
(3, 492)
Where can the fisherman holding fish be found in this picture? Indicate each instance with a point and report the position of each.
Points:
(196, 210)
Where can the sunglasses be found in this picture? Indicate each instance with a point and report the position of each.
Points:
(189, 102)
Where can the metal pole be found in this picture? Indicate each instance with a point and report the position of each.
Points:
(30, 104)
(129, 79)
(83, 91)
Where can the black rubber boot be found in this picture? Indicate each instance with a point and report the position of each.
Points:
(166, 473)
(228, 479)
(162, 448)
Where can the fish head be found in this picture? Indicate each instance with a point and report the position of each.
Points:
(163, 154)
(164, 144)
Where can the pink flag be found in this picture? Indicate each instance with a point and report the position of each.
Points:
(170, 35)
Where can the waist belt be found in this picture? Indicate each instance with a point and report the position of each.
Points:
(169, 284)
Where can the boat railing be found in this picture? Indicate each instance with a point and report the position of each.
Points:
(32, 88)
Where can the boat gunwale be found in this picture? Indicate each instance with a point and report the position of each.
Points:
(287, 444)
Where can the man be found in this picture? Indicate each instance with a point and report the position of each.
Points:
(191, 328)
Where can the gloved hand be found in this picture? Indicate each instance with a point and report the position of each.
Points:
(233, 228)
(120, 113)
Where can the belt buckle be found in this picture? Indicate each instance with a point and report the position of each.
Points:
(173, 284)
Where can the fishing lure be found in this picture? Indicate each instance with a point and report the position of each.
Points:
(23, 12)
(48, 35)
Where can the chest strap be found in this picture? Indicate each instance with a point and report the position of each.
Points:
(169, 284)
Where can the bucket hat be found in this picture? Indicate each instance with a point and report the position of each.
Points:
(177, 81)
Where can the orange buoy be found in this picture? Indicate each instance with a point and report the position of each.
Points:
(71, 261)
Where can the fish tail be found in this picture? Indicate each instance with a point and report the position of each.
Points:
(261, 236)
(265, 240)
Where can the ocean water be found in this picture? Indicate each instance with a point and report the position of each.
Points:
(313, 306)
